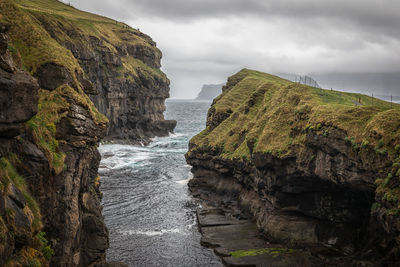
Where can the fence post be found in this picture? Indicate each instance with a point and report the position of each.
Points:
(391, 101)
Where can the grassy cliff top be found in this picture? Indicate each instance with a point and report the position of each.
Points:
(90, 24)
(40, 30)
(273, 115)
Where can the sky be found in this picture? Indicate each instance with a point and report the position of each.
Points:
(206, 41)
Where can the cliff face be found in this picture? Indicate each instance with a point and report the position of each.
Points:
(50, 127)
(19, 217)
(312, 166)
(50, 203)
(119, 68)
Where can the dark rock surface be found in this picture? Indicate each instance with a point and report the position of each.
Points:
(301, 201)
(69, 200)
(18, 103)
(133, 103)
(18, 92)
(237, 240)
(317, 194)
(50, 76)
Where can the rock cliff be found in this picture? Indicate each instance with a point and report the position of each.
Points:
(117, 66)
(58, 67)
(50, 205)
(313, 167)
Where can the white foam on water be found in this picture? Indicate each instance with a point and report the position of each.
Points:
(153, 232)
(176, 134)
(190, 226)
(183, 182)
(122, 156)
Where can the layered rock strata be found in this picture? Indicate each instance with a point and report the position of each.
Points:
(37, 197)
(299, 161)
(50, 127)
(121, 75)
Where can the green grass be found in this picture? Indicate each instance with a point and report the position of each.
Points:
(278, 114)
(37, 250)
(258, 112)
(254, 252)
(39, 31)
(8, 229)
(134, 67)
(37, 46)
(8, 174)
(53, 106)
(33, 43)
(47, 251)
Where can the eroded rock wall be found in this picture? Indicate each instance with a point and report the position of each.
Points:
(67, 198)
(78, 67)
(318, 188)
(299, 199)
(123, 80)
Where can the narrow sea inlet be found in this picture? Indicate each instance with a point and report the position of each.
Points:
(147, 206)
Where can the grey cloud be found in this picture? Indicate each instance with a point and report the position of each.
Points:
(204, 41)
(377, 15)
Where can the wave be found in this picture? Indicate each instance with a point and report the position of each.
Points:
(154, 232)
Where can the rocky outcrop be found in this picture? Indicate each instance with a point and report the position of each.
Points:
(50, 212)
(18, 91)
(19, 98)
(50, 125)
(298, 173)
(122, 77)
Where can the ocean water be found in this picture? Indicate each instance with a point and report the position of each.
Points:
(147, 206)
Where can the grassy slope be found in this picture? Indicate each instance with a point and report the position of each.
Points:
(38, 252)
(36, 46)
(57, 13)
(265, 109)
(31, 46)
(275, 115)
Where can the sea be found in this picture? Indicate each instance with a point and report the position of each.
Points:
(148, 209)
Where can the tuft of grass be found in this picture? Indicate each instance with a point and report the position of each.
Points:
(133, 67)
(375, 206)
(10, 174)
(53, 106)
(83, 100)
(34, 263)
(254, 252)
(47, 251)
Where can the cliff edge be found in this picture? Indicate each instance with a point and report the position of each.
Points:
(117, 66)
(313, 167)
(60, 69)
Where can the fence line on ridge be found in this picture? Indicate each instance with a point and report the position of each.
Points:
(309, 81)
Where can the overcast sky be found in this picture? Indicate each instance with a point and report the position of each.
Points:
(205, 41)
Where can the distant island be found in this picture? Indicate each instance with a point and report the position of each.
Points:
(210, 91)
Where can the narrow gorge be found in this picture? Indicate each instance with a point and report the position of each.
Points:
(68, 80)
(276, 173)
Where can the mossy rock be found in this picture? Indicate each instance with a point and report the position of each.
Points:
(283, 112)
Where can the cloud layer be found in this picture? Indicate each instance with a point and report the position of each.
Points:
(205, 41)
